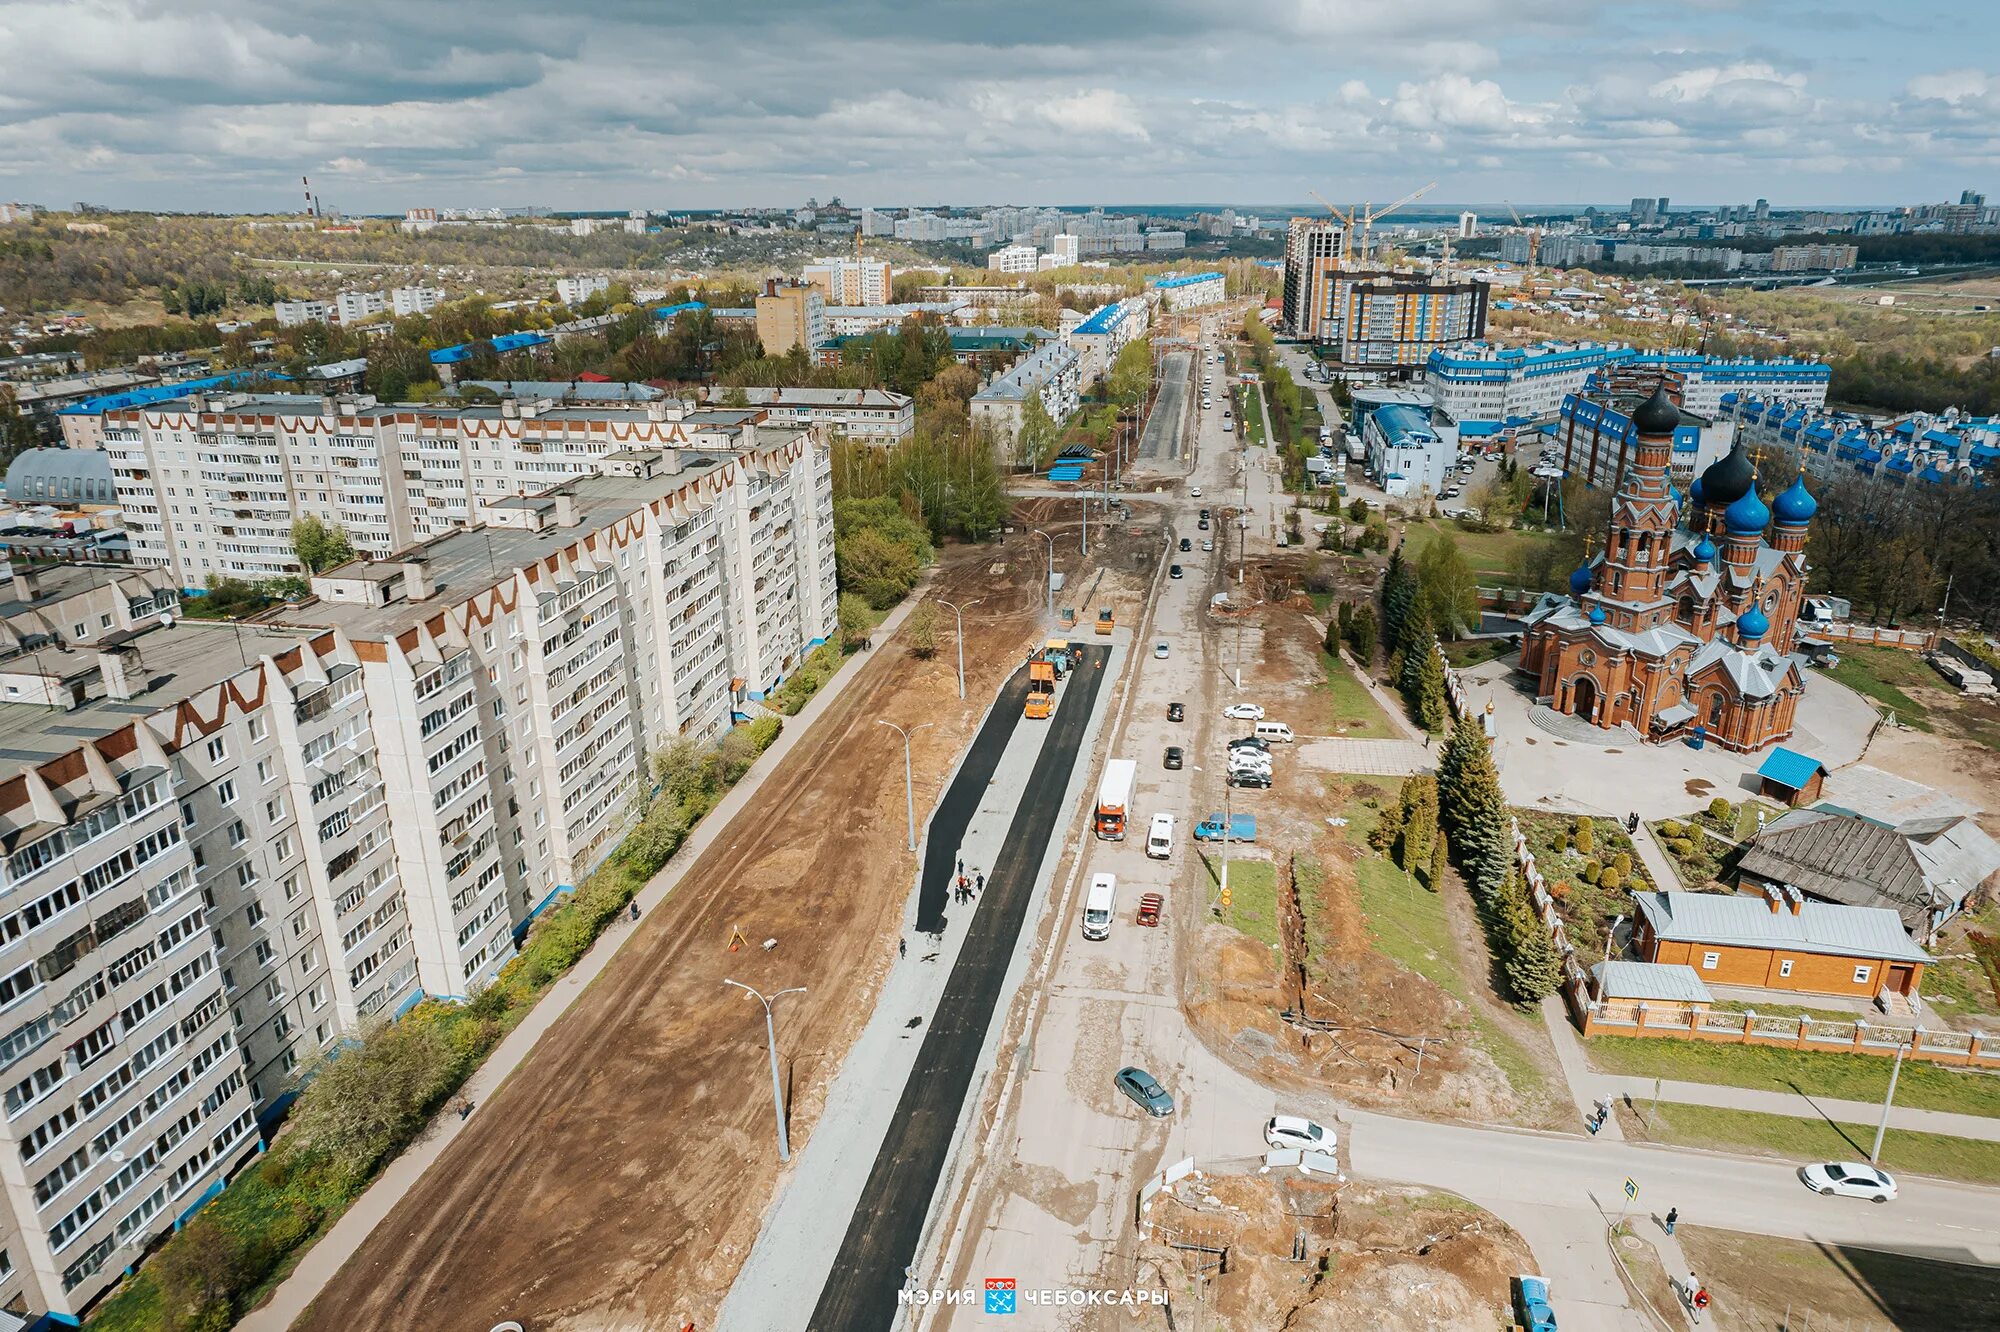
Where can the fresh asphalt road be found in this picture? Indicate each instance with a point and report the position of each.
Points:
(954, 812)
(886, 1228)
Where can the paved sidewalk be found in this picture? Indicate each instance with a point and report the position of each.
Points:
(1587, 1085)
(1378, 758)
(324, 1260)
(1659, 865)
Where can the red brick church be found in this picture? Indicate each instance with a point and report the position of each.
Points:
(1679, 625)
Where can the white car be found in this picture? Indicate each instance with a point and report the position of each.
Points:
(1244, 712)
(1160, 651)
(1194, 492)
(1292, 1131)
(1850, 1178)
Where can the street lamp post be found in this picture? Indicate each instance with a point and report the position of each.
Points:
(909, 790)
(1875, 1152)
(959, 615)
(771, 1041)
(1050, 584)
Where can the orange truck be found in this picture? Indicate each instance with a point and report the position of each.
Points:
(1041, 689)
(1106, 622)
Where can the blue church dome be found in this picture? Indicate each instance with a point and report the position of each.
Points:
(1752, 625)
(1747, 516)
(1597, 615)
(1796, 506)
(1694, 491)
(1704, 550)
(1579, 582)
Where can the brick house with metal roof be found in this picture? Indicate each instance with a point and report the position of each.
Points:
(1780, 941)
(1921, 869)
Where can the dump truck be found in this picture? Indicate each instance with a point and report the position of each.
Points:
(1242, 828)
(1114, 798)
(1041, 689)
(1106, 621)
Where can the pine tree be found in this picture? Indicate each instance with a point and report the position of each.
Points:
(1430, 704)
(1531, 965)
(1361, 637)
(1440, 852)
(1473, 811)
(1417, 812)
(1399, 593)
(1416, 641)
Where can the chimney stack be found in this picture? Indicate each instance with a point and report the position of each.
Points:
(122, 671)
(1771, 896)
(1795, 899)
(416, 580)
(27, 582)
(567, 514)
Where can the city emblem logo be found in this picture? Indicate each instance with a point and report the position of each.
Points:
(999, 1295)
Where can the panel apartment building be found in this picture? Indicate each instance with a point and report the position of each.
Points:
(212, 485)
(223, 845)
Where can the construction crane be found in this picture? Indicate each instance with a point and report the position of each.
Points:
(1370, 214)
(1345, 219)
(1534, 236)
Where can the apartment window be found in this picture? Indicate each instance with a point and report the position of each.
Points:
(1709, 961)
(246, 876)
(218, 750)
(229, 983)
(1861, 975)
(225, 791)
(299, 926)
(263, 770)
(291, 887)
(274, 811)
(316, 1000)
(237, 834)
(283, 847)
(1785, 967)
(187, 814)
(274, 991)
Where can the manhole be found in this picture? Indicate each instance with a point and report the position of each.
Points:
(1632, 1242)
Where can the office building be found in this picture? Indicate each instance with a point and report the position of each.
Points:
(355, 306)
(1051, 372)
(415, 300)
(851, 281)
(1468, 225)
(1189, 291)
(1312, 256)
(790, 314)
(291, 314)
(875, 415)
(577, 290)
(1012, 259)
(1408, 447)
(210, 486)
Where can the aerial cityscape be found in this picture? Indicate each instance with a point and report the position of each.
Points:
(893, 667)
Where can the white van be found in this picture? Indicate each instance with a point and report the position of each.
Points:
(1097, 907)
(1160, 837)
(1273, 732)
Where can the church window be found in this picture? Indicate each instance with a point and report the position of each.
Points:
(1587, 657)
(1715, 708)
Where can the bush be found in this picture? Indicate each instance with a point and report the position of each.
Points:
(1671, 828)
(1680, 847)
(1562, 842)
(1592, 871)
(1559, 889)
(1585, 836)
(1722, 811)
(1610, 880)
(1622, 862)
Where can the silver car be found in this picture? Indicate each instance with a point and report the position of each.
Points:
(1144, 1088)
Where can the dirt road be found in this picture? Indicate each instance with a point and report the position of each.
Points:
(618, 1178)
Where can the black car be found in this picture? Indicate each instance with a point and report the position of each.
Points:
(1174, 756)
(1174, 572)
(1250, 742)
(1186, 544)
(1176, 712)
(1204, 524)
(1204, 515)
(1261, 780)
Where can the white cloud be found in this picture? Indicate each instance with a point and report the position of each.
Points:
(1952, 85)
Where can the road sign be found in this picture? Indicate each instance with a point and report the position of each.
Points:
(1631, 1190)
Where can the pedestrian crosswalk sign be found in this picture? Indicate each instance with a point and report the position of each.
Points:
(1631, 1190)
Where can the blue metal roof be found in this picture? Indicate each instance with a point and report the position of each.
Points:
(1788, 767)
(144, 397)
(1186, 279)
(1404, 425)
(1103, 319)
(505, 342)
(669, 311)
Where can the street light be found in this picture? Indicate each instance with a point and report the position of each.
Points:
(1050, 585)
(959, 614)
(771, 1041)
(909, 792)
(1875, 1153)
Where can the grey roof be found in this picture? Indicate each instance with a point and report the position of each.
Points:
(61, 476)
(581, 390)
(816, 397)
(1671, 981)
(1912, 869)
(1744, 921)
(1757, 674)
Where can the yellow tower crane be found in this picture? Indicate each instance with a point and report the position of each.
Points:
(1346, 221)
(1371, 214)
(1534, 237)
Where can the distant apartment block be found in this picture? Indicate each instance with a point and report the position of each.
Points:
(212, 485)
(1482, 383)
(851, 281)
(577, 290)
(877, 416)
(415, 300)
(790, 314)
(355, 306)
(16, 212)
(1012, 259)
(1394, 321)
(1102, 334)
(291, 314)
(1052, 373)
(1190, 291)
(1813, 258)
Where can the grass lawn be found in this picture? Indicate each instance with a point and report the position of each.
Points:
(1781, 1010)
(1253, 898)
(1253, 417)
(1968, 1160)
(1494, 556)
(1350, 709)
(1964, 982)
(1814, 1286)
(1475, 651)
(1407, 924)
(1882, 674)
(1848, 1077)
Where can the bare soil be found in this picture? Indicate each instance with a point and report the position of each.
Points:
(619, 1177)
(1365, 1010)
(1754, 1281)
(1308, 1255)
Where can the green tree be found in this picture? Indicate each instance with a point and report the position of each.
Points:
(1131, 377)
(320, 545)
(1035, 442)
(1416, 641)
(856, 619)
(1530, 963)
(201, 1274)
(1473, 810)
(1431, 708)
(1362, 637)
(922, 631)
(1448, 586)
(1440, 854)
(881, 570)
(1418, 814)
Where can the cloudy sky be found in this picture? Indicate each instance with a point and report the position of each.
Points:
(388, 104)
